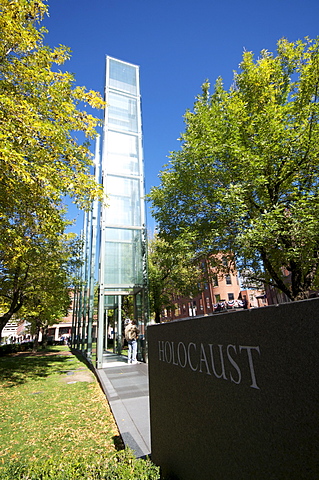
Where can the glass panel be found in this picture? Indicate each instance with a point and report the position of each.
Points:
(124, 201)
(138, 263)
(118, 264)
(128, 187)
(122, 156)
(122, 112)
(122, 211)
(109, 301)
(122, 165)
(123, 262)
(118, 234)
(123, 76)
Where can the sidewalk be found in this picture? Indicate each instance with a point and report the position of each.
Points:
(126, 388)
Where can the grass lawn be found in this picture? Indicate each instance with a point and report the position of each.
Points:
(54, 408)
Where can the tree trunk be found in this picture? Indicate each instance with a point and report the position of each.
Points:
(36, 340)
(277, 278)
(158, 316)
(45, 330)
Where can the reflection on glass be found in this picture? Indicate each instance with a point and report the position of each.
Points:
(122, 112)
(122, 153)
(124, 260)
(122, 76)
(122, 178)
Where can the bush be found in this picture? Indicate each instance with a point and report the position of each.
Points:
(14, 348)
(127, 467)
(121, 466)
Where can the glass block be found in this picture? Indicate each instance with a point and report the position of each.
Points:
(122, 76)
(122, 112)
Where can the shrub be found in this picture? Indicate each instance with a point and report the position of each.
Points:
(14, 348)
(121, 466)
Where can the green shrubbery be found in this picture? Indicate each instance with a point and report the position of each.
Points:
(15, 347)
(22, 347)
(121, 466)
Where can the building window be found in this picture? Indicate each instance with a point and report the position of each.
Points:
(215, 280)
(217, 297)
(192, 308)
(231, 297)
(228, 280)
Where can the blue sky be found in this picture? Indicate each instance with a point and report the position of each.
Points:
(178, 44)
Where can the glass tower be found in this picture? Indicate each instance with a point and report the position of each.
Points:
(122, 269)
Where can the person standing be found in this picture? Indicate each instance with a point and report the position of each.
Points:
(131, 336)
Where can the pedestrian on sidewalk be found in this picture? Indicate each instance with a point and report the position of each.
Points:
(131, 336)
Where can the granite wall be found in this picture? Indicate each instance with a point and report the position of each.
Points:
(235, 395)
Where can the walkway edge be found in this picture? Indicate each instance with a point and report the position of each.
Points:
(125, 423)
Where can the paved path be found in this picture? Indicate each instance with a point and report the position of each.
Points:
(126, 387)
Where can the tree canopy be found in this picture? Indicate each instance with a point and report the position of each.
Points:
(46, 289)
(246, 177)
(39, 110)
(41, 160)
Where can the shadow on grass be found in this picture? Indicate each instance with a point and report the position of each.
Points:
(17, 369)
(118, 443)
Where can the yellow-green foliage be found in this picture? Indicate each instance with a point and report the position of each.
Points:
(40, 108)
(41, 111)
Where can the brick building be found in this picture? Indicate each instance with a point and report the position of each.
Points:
(218, 292)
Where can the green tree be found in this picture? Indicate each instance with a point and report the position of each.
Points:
(47, 307)
(35, 273)
(40, 159)
(172, 272)
(40, 110)
(47, 294)
(246, 177)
